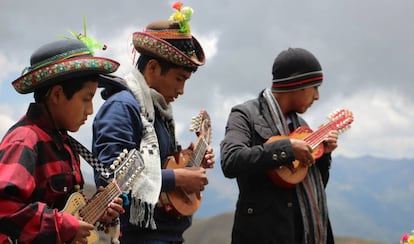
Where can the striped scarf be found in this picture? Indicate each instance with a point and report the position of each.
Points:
(310, 192)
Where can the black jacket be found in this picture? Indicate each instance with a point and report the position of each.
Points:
(265, 212)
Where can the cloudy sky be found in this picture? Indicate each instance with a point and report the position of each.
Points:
(365, 48)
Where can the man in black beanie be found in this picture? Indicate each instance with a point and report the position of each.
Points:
(281, 183)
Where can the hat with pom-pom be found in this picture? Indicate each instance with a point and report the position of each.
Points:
(171, 39)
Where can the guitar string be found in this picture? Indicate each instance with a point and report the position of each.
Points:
(197, 149)
(104, 204)
(92, 211)
(200, 148)
(97, 212)
(200, 155)
(96, 207)
(316, 138)
(98, 198)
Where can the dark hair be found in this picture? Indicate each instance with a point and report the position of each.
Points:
(165, 65)
(69, 87)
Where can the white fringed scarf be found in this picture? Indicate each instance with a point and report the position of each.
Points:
(146, 191)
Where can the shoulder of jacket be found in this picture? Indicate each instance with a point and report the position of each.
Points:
(250, 105)
(124, 96)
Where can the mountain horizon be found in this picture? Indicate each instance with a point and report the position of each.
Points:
(368, 197)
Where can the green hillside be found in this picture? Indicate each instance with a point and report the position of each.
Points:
(217, 230)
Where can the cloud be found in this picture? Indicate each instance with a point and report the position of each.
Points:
(6, 118)
(120, 48)
(9, 65)
(378, 127)
(209, 43)
(365, 48)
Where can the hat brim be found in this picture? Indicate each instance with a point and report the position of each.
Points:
(109, 80)
(148, 44)
(63, 70)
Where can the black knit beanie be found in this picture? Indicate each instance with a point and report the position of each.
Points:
(294, 69)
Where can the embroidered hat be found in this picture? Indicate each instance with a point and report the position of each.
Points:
(62, 60)
(294, 69)
(171, 39)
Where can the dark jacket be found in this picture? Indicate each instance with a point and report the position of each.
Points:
(117, 125)
(265, 212)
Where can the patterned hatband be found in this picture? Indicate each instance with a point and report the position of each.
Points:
(85, 64)
(168, 34)
(146, 43)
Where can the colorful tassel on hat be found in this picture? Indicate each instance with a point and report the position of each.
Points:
(182, 16)
(89, 41)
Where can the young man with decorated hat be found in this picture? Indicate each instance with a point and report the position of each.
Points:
(39, 166)
(270, 210)
(140, 116)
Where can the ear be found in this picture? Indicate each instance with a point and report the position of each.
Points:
(56, 94)
(152, 66)
(152, 72)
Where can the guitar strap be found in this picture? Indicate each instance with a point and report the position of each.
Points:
(90, 158)
(113, 228)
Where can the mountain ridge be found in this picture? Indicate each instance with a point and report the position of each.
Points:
(217, 230)
(368, 197)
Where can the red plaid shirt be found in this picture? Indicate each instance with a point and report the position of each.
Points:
(38, 171)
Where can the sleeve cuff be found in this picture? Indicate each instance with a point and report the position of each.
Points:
(280, 152)
(168, 180)
(67, 225)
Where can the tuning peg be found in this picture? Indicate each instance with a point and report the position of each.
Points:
(114, 164)
(122, 156)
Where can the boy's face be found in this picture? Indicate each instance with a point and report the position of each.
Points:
(171, 84)
(304, 98)
(71, 114)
